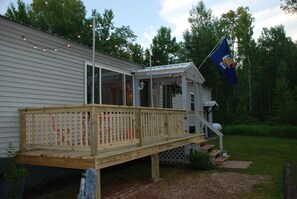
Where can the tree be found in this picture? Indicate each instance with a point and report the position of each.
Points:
(289, 6)
(275, 61)
(21, 14)
(61, 17)
(164, 47)
(284, 103)
(201, 39)
(109, 39)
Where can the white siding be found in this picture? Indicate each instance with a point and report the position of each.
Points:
(30, 77)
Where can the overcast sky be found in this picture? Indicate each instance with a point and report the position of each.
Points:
(145, 17)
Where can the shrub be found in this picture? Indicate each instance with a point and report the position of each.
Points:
(200, 161)
(262, 130)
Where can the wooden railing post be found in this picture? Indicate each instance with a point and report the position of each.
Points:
(94, 133)
(22, 131)
(167, 125)
(138, 126)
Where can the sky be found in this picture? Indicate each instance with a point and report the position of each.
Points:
(145, 17)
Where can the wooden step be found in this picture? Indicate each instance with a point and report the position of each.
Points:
(220, 160)
(207, 148)
(198, 141)
(214, 154)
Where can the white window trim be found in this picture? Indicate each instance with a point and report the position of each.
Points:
(100, 86)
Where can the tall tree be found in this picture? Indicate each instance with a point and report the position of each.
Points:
(289, 6)
(61, 17)
(277, 52)
(21, 14)
(164, 47)
(201, 39)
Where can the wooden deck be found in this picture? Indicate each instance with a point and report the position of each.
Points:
(99, 136)
(84, 160)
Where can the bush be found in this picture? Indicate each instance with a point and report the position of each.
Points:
(262, 130)
(200, 161)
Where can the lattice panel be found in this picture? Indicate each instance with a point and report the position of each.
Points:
(174, 156)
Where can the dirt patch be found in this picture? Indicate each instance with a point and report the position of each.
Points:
(199, 185)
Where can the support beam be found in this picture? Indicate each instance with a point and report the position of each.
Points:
(155, 167)
(98, 184)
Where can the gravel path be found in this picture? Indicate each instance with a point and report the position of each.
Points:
(200, 185)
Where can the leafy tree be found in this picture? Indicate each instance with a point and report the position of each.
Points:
(289, 6)
(109, 39)
(275, 61)
(61, 17)
(137, 53)
(21, 14)
(164, 47)
(201, 39)
(284, 103)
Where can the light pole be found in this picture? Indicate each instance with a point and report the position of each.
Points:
(93, 69)
(151, 79)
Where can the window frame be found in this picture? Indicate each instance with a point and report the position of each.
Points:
(113, 69)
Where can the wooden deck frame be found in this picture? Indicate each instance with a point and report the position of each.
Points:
(150, 131)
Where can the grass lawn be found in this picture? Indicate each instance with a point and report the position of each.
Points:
(268, 155)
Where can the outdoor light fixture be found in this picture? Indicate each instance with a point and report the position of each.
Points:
(141, 86)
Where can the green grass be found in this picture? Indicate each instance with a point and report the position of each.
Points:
(268, 155)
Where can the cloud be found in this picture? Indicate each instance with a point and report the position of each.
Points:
(147, 37)
(176, 14)
(272, 17)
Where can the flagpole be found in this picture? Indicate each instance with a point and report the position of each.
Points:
(211, 52)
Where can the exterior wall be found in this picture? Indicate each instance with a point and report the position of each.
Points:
(206, 95)
(31, 77)
(192, 118)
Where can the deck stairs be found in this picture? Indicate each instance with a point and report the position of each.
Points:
(216, 155)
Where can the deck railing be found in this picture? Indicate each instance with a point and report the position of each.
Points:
(97, 127)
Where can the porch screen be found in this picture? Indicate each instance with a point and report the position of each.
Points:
(129, 90)
(112, 87)
(89, 85)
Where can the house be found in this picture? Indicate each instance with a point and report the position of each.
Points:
(46, 94)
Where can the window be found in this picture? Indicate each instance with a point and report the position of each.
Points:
(192, 101)
(129, 90)
(89, 85)
(113, 87)
(167, 96)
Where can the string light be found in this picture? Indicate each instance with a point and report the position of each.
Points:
(43, 48)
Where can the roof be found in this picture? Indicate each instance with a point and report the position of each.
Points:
(210, 104)
(164, 70)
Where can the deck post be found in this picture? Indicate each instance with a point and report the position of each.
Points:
(138, 126)
(94, 134)
(155, 167)
(22, 131)
(167, 126)
(98, 184)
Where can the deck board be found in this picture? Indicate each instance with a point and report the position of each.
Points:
(105, 158)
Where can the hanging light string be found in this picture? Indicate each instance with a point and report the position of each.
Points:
(43, 48)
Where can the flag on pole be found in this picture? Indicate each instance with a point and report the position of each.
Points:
(224, 62)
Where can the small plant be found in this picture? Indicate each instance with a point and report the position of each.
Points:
(10, 174)
(200, 160)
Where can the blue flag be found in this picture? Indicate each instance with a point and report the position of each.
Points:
(224, 61)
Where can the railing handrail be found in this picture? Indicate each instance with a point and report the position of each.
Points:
(216, 131)
(26, 109)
